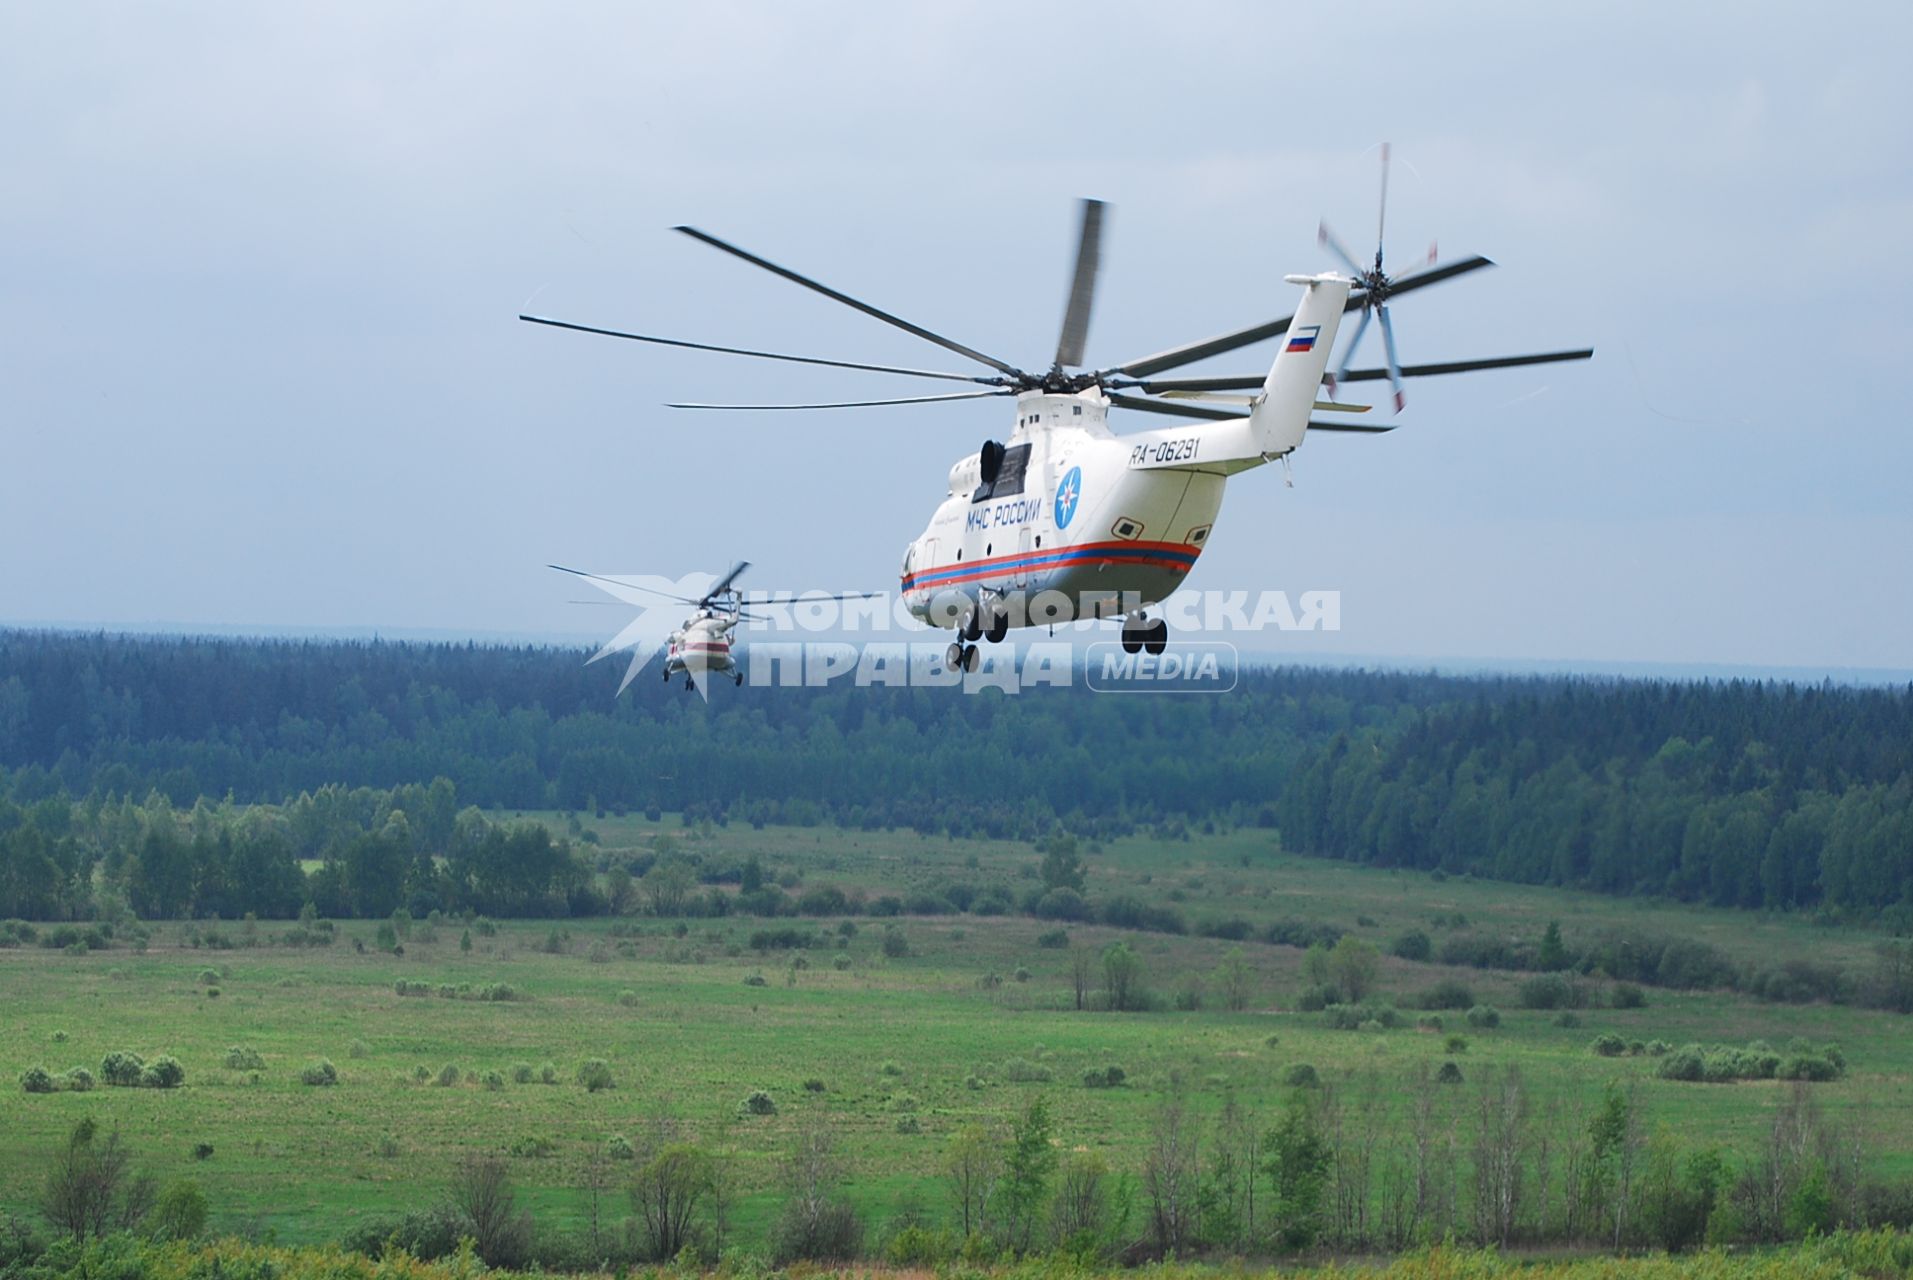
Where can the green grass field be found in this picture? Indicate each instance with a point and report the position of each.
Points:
(308, 1163)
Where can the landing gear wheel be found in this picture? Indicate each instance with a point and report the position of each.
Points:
(953, 656)
(999, 627)
(1137, 629)
(666, 673)
(688, 685)
(972, 658)
(1156, 639)
(737, 678)
(972, 628)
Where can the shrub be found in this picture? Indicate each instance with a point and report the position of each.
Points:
(77, 1080)
(1450, 1073)
(1413, 945)
(1301, 1076)
(421, 1073)
(1109, 1077)
(1354, 1017)
(179, 1213)
(1549, 991)
(1053, 939)
(1684, 1064)
(37, 1080)
(240, 1058)
(905, 1103)
(1449, 993)
(448, 1075)
(163, 1072)
(840, 961)
(209, 977)
(121, 1068)
(521, 1073)
(1428, 1022)
(1456, 1044)
(533, 1147)
(358, 1049)
(1567, 1018)
(1023, 1071)
(1609, 1045)
(58, 1037)
(1021, 974)
(1658, 1048)
(628, 998)
(387, 1148)
(895, 945)
(547, 1073)
(755, 980)
(202, 1151)
(1805, 1066)
(813, 1085)
(760, 1103)
(1484, 1017)
(908, 1124)
(212, 993)
(1626, 995)
(595, 1074)
(618, 1147)
(319, 1072)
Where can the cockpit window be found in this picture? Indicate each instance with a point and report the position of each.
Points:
(1009, 476)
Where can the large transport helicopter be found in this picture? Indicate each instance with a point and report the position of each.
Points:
(1063, 518)
(699, 648)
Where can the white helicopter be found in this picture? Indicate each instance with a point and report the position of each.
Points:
(1064, 519)
(700, 647)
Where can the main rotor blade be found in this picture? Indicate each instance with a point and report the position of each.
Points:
(1463, 366)
(1355, 428)
(723, 584)
(1176, 357)
(853, 404)
(946, 343)
(628, 586)
(1175, 408)
(763, 355)
(1082, 288)
(1180, 410)
(1254, 381)
(1158, 386)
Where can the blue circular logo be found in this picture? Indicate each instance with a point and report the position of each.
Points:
(1066, 495)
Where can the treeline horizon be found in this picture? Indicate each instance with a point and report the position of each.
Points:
(1740, 793)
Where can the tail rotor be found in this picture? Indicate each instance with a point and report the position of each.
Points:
(1375, 285)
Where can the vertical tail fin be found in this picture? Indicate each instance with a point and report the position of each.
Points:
(1281, 413)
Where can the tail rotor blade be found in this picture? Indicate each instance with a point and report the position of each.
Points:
(1348, 352)
(1082, 288)
(1394, 365)
(1329, 240)
(1381, 219)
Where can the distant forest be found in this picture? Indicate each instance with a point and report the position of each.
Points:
(1738, 793)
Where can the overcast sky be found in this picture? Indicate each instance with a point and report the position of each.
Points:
(259, 267)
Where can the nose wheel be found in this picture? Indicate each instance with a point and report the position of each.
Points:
(1142, 633)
